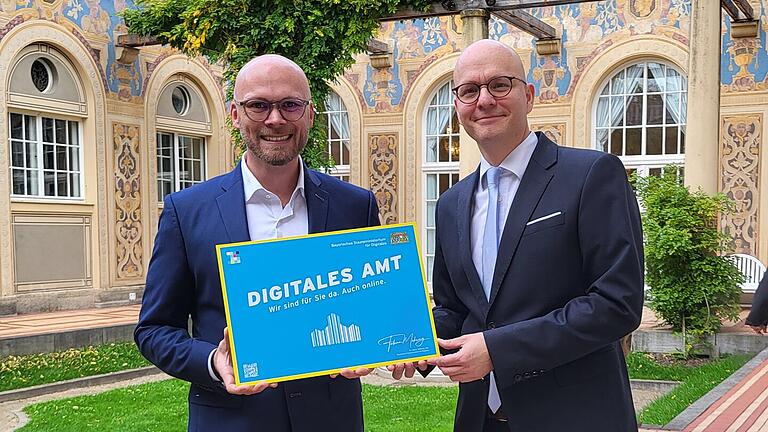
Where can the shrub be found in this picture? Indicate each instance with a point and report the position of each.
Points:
(693, 285)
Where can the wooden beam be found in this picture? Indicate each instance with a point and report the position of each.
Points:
(131, 40)
(527, 23)
(730, 9)
(449, 7)
(745, 7)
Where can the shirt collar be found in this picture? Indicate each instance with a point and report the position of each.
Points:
(515, 162)
(251, 184)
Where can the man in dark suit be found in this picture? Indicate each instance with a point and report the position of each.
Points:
(270, 194)
(538, 267)
(758, 314)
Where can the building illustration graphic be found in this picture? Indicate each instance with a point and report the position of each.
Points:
(335, 333)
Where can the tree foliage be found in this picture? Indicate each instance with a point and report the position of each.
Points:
(320, 35)
(693, 285)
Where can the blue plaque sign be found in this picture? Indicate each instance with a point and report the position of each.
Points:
(313, 305)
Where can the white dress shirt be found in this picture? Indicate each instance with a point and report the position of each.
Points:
(267, 218)
(513, 168)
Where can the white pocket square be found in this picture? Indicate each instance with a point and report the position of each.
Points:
(544, 218)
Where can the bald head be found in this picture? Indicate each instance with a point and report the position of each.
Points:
(487, 51)
(272, 66)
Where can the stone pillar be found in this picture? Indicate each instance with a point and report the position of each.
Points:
(475, 27)
(702, 138)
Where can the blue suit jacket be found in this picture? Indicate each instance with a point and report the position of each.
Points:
(565, 290)
(183, 281)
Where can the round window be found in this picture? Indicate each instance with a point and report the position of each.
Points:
(180, 100)
(42, 75)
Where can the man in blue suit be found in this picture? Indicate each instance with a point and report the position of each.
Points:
(270, 194)
(538, 267)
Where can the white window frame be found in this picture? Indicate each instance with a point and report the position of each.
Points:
(341, 170)
(176, 159)
(643, 163)
(434, 168)
(40, 196)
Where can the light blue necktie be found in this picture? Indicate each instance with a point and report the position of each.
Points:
(490, 251)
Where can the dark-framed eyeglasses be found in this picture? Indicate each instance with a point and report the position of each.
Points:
(498, 88)
(257, 110)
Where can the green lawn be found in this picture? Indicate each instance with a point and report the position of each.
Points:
(162, 407)
(30, 370)
(696, 382)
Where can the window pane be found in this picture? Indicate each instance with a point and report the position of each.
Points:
(62, 181)
(335, 152)
(445, 182)
(49, 183)
(431, 213)
(74, 159)
(74, 185)
(634, 80)
(603, 112)
(653, 138)
(617, 83)
(431, 149)
(653, 143)
(61, 131)
(655, 172)
(430, 264)
(443, 149)
(634, 142)
(617, 110)
(18, 181)
(682, 141)
(454, 179)
(31, 156)
(431, 186)
(655, 77)
(48, 156)
(17, 154)
(17, 127)
(672, 109)
(634, 115)
(602, 140)
(670, 146)
(345, 153)
(655, 109)
(47, 130)
(30, 123)
(430, 241)
(61, 157)
(32, 183)
(617, 140)
(73, 139)
(196, 171)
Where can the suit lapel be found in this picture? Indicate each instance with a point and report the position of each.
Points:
(231, 205)
(464, 222)
(532, 186)
(317, 202)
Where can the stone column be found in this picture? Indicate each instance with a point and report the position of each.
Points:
(475, 27)
(702, 138)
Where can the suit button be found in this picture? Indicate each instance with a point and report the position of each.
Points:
(491, 325)
(294, 395)
(527, 375)
(518, 377)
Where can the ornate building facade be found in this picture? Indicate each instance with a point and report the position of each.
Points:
(95, 137)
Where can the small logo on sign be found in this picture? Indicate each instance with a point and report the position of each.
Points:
(398, 238)
(234, 257)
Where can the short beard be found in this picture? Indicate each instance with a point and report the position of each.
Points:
(274, 158)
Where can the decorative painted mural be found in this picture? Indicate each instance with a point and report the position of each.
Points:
(128, 214)
(553, 131)
(744, 61)
(739, 179)
(383, 168)
(586, 30)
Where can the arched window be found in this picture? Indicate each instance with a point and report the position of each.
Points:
(46, 109)
(640, 117)
(441, 162)
(336, 120)
(182, 120)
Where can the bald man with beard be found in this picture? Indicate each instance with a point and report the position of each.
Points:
(538, 268)
(270, 194)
